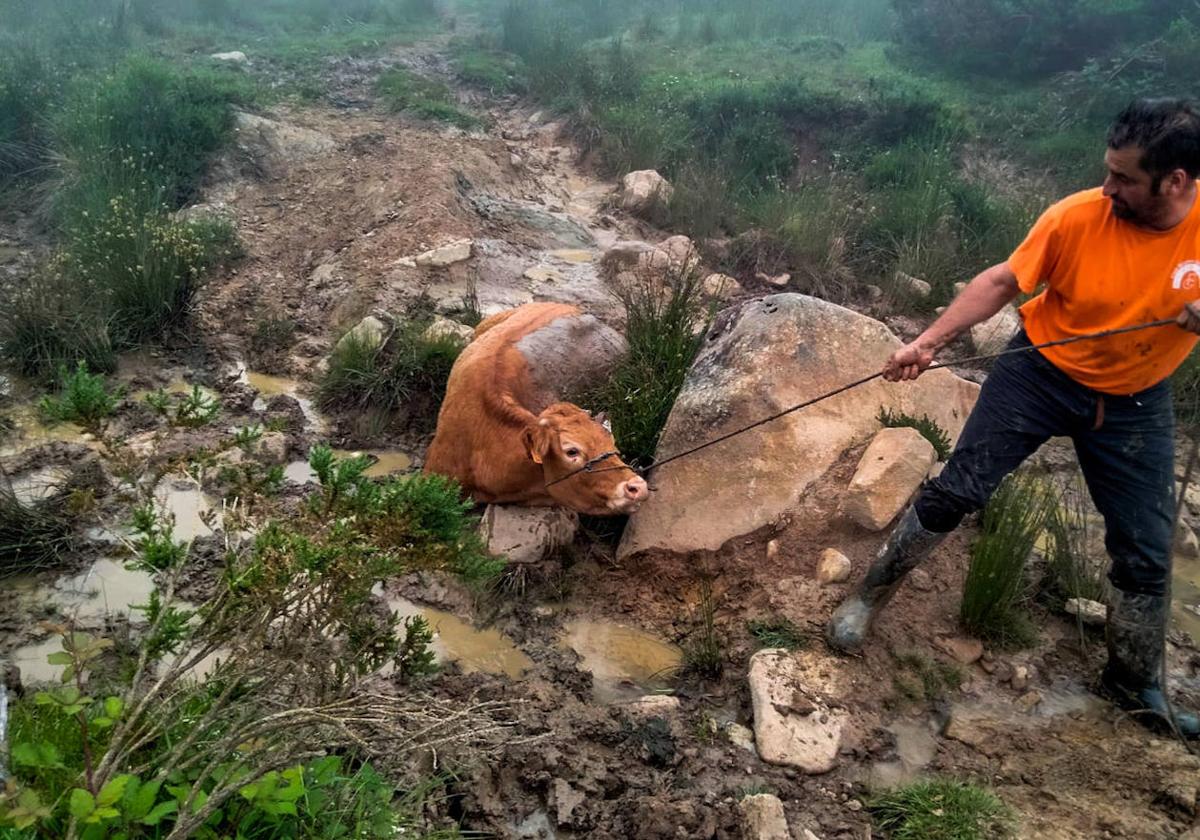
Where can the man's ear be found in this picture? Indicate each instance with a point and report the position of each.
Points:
(538, 438)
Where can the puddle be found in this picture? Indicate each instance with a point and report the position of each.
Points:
(106, 588)
(186, 503)
(472, 649)
(31, 659)
(626, 663)
(272, 386)
(573, 255)
(31, 431)
(387, 461)
(39, 485)
(916, 747)
(536, 826)
(178, 385)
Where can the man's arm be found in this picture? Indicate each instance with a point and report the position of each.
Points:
(983, 297)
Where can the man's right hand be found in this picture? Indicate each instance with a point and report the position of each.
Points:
(908, 362)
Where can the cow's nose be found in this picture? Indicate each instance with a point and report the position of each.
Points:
(636, 489)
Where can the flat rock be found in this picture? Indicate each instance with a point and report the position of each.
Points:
(1092, 613)
(762, 357)
(445, 255)
(961, 649)
(270, 147)
(566, 800)
(653, 705)
(543, 274)
(763, 818)
(527, 534)
(888, 474)
(445, 328)
(833, 567)
(235, 57)
(794, 723)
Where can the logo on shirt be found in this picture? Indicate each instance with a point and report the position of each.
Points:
(1186, 275)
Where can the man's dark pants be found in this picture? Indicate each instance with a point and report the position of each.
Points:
(1125, 445)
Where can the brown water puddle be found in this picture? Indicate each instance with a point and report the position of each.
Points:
(473, 649)
(272, 386)
(574, 255)
(31, 659)
(916, 747)
(107, 588)
(41, 484)
(387, 461)
(625, 662)
(32, 430)
(187, 504)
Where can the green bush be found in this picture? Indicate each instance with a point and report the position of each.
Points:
(403, 90)
(777, 632)
(83, 398)
(663, 327)
(51, 323)
(995, 585)
(929, 429)
(407, 373)
(29, 85)
(489, 70)
(938, 809)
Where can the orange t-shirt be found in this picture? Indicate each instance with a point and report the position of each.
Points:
(1102, 273)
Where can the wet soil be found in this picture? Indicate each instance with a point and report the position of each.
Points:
(328, 239)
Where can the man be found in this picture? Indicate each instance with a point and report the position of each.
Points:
(1123, 254)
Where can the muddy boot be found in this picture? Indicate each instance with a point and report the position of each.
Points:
(1131, 679)
(907, 546)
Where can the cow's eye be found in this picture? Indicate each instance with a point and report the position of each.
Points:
(572, 452)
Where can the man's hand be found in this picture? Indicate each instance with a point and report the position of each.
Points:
(908, 362)
(1189, 318)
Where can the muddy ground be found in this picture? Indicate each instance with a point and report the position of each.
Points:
(329, 222)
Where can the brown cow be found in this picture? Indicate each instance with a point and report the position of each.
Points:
(503, 431)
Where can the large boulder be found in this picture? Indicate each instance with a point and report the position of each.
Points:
(769, 355)
(643, 190)
(889, 472)
(267, 148)
(992, 336)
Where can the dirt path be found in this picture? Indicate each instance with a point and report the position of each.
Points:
(332, 202)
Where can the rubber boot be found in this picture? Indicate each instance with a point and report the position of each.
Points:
(908, 544)
(1131, 679)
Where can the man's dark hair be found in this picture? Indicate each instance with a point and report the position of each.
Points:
(1166, 130)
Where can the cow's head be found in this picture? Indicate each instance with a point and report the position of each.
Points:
(563, 439)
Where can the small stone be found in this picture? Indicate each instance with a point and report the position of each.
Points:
(763, 818)
(443, 327)
(992, 336)
(543, 274)
(644, 190)
(772, 549)
(1092, 613)
(1028, 700)
(370, 330)
(805, 834)
(566, 800)
(963, 650)
(1020, 677)
(780, 281)
(234, 57)
(1186, 543)
(834, 567)
(446, 255)
(810, 741)
(273, 447)
(721, 286)
(913, 285)
(920, 580)
(653, 705)
(516, 161)
(854, 805)
(873, 292)
(740, 736)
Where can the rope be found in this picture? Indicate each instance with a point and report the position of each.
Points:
(588, 467)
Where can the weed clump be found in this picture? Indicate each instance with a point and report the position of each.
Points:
(940, 809)
(777, 632)
(928, 428)
(83, 398)
(995, 586)
(403, 90)
(33, 534)
(703, 655)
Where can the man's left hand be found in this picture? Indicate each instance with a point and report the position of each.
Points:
(1189, 318)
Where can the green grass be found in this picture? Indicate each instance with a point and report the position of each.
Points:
(920, 679)
(32, 536)
(940, 809)
(490, 70)
(777, 632)
(929, 429)
(403, 90)
(704, 655)
(995, 587)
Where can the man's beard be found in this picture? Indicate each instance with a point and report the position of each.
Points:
(1124, 212)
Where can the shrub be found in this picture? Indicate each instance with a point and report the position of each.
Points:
(28, 86)
(939, 809)
(407, 373)
(929, 429)
(83, 398)
(777, 632)
(32, 535)
(54, 322)
(994, 588)
(919, 679)
(703, 655)
(664, 320)
(403, 90)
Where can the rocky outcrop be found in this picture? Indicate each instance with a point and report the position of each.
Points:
(266, 148)
(992, 336)
(527, 534)
(372, 330)
(767, 356)
(643, 191)
(445, 255)
(794, 722)
(889, 472)
(444, 328)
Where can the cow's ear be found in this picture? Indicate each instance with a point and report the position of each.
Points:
(602, 418)
(537, 439)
